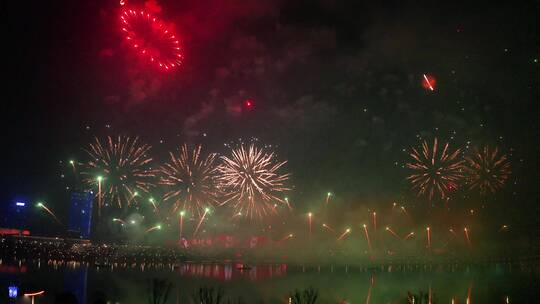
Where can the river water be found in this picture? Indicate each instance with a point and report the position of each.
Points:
(273, 283)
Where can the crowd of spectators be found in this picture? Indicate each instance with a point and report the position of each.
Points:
(55, 249)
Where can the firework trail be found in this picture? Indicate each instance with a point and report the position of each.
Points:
(119, 220)
(157, 227)
(346, 232)
(191, 180)
(467, 235)
(328, 228)
(120, 166)
(251, 180)
(392, 232)
(49, 211)
(428, 237)
(435, 170)
(286, 237)
(367, 237)
(487, 170)
(408, 236)
(206, 210)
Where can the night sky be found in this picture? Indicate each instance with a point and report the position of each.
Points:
(336, 86)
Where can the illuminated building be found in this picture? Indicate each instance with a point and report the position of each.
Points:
(80, 214)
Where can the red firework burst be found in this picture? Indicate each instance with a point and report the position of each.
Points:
(435, 170)
(151, 39)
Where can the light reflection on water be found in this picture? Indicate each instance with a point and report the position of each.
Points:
(271, 283)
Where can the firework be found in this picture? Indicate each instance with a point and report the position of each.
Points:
(428, 237)
(428, 82)
(328, 195)
(435, 170)
(153, 202)
(181, 224)
(487, 170)
(310, 216)
(73, 163)
(328, 228)
(466, 231)
(206, 210)
(157, 227)
(367, 238)
(120, 168)
(190, 180)
(408, 236)
(49, 211)
(405, 211)
(151, 39)
(287, 237)
(346, 232)
(392, 232)
(252, 181)
(119, 221)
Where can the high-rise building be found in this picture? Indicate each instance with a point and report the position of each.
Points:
(13, 217)
(80, 213)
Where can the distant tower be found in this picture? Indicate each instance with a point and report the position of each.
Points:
(14, 215)
(80, 214)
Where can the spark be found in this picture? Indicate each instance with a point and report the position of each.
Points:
(374, 216)
(328, 195)
(153, 202)
(367, 237)
(206, 210)
(287, 202)
(428, 82)
(251, 180)
(411, 234)
(156, 227)
(287, 237)
(404, 211)
(346, 232)
(119, 220)
(49, 211)
(239, 214)
(181, 224)
(466, 231)
(310, 215)
(72, 163)
(328, 228)
(435, 170)
(392, 232)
